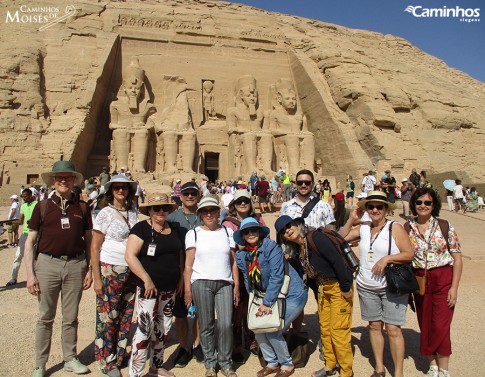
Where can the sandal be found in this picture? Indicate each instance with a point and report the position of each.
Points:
(378, 374)
(320, 373)
(228, 372)
(266, 371)
(210, 372)
(285, 373)
(161, 372)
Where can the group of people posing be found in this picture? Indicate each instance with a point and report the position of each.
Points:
(174, 258)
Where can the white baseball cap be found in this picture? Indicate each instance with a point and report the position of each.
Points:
(14, 196)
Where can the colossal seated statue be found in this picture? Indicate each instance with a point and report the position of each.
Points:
(294, 144)
(174, 129)
(246, 131)
(128, 120)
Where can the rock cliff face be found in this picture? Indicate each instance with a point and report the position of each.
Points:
(367, 97)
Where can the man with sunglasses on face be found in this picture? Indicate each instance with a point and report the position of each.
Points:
(187, 219)
(321, 213)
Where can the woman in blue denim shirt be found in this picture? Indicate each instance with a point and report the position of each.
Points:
(262, 264)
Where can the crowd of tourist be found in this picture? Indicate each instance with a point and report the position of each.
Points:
(205, 252)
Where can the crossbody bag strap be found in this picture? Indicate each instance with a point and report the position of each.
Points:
(390, 237)
(309, 206)
(445, 229)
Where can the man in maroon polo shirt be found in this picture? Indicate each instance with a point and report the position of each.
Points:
(60, 265)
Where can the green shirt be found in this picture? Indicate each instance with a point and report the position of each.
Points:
(26, 209)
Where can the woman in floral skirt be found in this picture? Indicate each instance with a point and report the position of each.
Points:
(113, 282)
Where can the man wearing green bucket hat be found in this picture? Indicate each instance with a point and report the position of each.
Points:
(61, 228)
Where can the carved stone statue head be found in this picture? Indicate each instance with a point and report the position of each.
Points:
(133, 82)
(285, 94)
(208, 86)
(246, 93)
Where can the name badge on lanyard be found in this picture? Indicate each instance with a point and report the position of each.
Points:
(151, 250)
(370, 257)
(65, 223)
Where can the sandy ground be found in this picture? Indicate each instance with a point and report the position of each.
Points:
(18, 314)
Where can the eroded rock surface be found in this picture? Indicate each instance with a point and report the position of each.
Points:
(366, 97)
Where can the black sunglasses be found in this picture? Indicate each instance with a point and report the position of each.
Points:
(427, 203)
(116, 188)
(288, 226)
(306, 183)
(242, 201)
(379, 207)
(190, 193)
(245, 232)
(165, 208)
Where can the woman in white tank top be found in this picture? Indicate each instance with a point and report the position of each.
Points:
(381, 242)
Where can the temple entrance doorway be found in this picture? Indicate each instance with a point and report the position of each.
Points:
(211, 166)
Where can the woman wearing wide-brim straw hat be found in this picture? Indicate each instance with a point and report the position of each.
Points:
(155, 255)
(113, 282)
(379, 306)
(212, 279)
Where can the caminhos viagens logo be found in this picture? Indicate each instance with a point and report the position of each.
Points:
(457, 12)
(45, 15)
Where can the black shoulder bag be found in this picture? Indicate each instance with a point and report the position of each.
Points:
(400, 277)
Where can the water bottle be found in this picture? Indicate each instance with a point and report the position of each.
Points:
(350, 256)
(192, 311)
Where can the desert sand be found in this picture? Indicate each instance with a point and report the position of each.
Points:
(18, 313)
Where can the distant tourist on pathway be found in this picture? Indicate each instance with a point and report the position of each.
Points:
(13, 228)
(25, 214)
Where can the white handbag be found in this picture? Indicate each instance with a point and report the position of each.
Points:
(269, 322)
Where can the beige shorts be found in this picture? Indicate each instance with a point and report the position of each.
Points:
(12, 228)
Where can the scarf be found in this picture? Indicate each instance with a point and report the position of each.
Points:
(254, 269)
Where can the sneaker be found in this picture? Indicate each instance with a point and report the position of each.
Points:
(198, 354)
(182, 359)
(38, 372)
(11, 282)
(432, 371)
(75, 366)
(443, 373)
(114, 373)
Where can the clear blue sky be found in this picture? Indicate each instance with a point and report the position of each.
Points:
(460, 44)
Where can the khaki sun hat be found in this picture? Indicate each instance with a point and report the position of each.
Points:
(207, 201)
(376, 196)
(62, 167)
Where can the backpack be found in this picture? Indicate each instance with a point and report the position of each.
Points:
(352, 185)
(348, 256)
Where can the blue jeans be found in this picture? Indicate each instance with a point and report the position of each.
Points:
(273, 345)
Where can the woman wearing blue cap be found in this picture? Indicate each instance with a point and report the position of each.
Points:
(262, 263)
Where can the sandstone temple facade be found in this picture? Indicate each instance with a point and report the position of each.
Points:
(189, 87)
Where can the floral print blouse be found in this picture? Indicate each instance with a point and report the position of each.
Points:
(432, 245)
